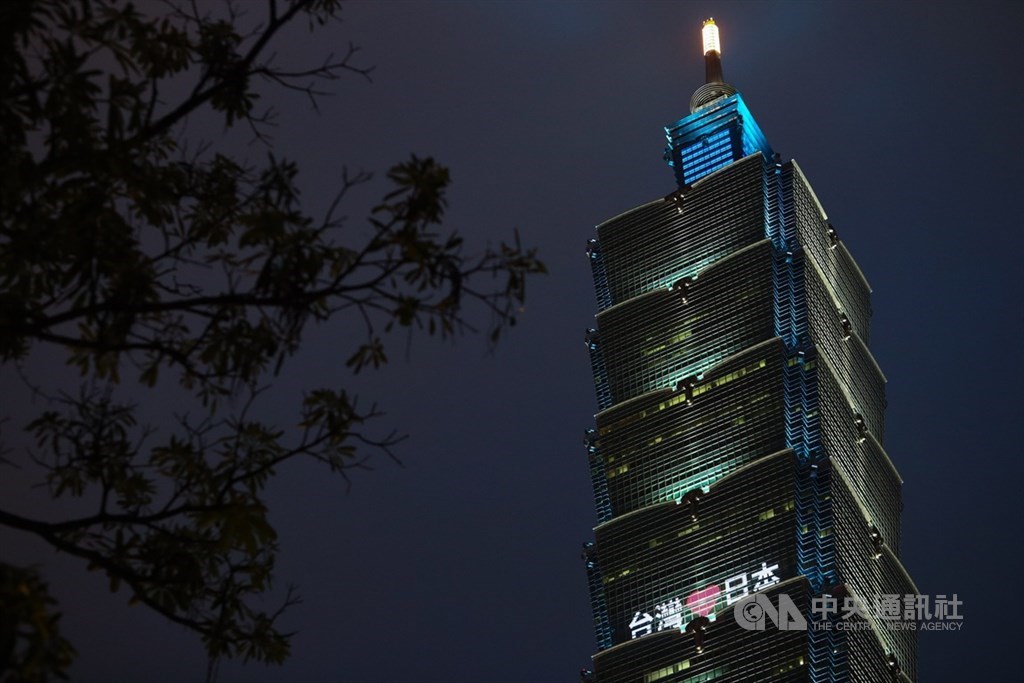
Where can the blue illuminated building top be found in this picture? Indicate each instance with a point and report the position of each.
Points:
(712, 137)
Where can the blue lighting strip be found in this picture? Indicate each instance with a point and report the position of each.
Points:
(602, 625)
(598, 478)
(828, 653)
(604, 294)
(597, 366)
(815, 543)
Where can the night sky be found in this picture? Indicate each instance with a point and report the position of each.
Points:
(462, 564)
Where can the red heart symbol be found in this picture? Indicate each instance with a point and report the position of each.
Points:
(702, 603)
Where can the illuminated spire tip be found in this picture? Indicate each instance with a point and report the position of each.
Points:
(710, 35)
(714, 87)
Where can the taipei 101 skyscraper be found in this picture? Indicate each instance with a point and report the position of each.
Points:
(738, 454)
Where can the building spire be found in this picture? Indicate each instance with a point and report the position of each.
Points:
(714, 86)
(712, 52)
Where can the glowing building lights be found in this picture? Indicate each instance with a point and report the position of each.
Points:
(710, 35)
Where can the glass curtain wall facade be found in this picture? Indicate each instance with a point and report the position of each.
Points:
(738, 443)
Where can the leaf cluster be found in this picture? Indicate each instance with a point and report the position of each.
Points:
(134, 256)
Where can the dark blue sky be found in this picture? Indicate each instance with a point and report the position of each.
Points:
(463, 564)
